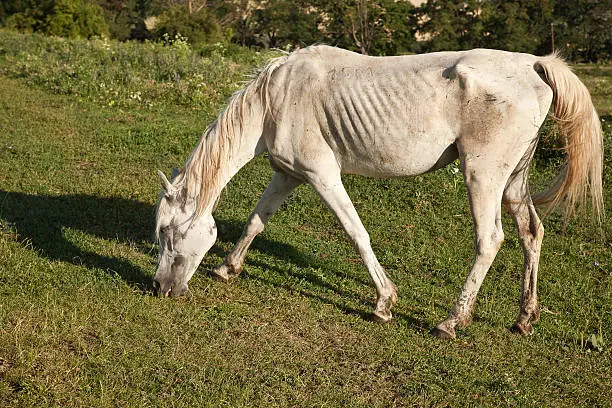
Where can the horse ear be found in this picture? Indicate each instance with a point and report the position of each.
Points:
(166, 185)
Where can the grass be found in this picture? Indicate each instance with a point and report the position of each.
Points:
(79, 326)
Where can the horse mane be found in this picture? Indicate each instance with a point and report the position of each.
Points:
(203, 171)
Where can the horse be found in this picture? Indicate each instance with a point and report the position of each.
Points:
(321, 112)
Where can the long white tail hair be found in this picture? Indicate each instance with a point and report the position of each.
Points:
(581, 135)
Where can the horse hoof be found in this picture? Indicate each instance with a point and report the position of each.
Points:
(443, 333)
(380, 317)
(522, 329)
(220, 273)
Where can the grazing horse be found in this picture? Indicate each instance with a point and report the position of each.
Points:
(320, 112)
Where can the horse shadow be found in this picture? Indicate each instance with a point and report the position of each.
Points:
(230, 231)
(42, 222)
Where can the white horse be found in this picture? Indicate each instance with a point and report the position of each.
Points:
(322, 111)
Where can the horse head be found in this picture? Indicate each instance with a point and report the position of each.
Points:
(184, 237)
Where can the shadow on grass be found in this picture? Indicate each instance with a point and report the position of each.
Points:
(230, 230)
(42, 220)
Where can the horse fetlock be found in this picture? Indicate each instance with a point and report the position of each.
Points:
(532, 310)
(464, 320)
(535, 314)
(462, 312)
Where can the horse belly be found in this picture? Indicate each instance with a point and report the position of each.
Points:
(406, 155)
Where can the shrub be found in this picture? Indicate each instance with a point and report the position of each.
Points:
(198, 27)
(65, 18)
(117, 74)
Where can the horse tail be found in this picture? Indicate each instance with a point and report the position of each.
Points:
(580, 132)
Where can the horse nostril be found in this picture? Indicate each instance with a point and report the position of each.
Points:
(162, 290)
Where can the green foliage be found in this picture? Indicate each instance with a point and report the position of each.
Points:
(519, 25)
(76, 19)
(397, 23)
(285, 23)
(198, 27)
(122, 17)
(115, 73)
(582, 29)
(22, 22)
(450, 24)
(371, 27)
(65, 18)
(377, 27)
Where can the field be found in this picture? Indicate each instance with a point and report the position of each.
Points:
(83, 128)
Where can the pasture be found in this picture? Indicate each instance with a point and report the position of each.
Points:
(83, 128)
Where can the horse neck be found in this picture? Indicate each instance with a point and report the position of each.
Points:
(225, 148)
(250, 146)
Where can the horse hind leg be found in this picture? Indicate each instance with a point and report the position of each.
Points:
(275, 194)
(531, 232)
(485, 193)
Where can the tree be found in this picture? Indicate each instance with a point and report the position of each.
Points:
(397, 23)
(450, 24)
(236, 18)
(119, 15)
(75, 18)
(198, 27)
(287, 23)
(357, 24)
(518, 25)
(582, 29)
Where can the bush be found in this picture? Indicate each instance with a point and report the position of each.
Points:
(118, 74)
(199, 27)
(64, 18)
(22, 22)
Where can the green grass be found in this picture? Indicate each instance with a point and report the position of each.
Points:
(80, 327)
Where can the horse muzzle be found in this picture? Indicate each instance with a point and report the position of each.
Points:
(167, 288)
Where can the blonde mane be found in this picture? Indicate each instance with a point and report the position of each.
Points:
(203, 170)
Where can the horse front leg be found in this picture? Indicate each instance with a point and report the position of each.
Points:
(275, 194)
(335, 196)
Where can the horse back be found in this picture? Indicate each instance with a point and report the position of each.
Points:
(395, 116)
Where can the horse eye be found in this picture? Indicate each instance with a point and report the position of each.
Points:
(166, 237)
